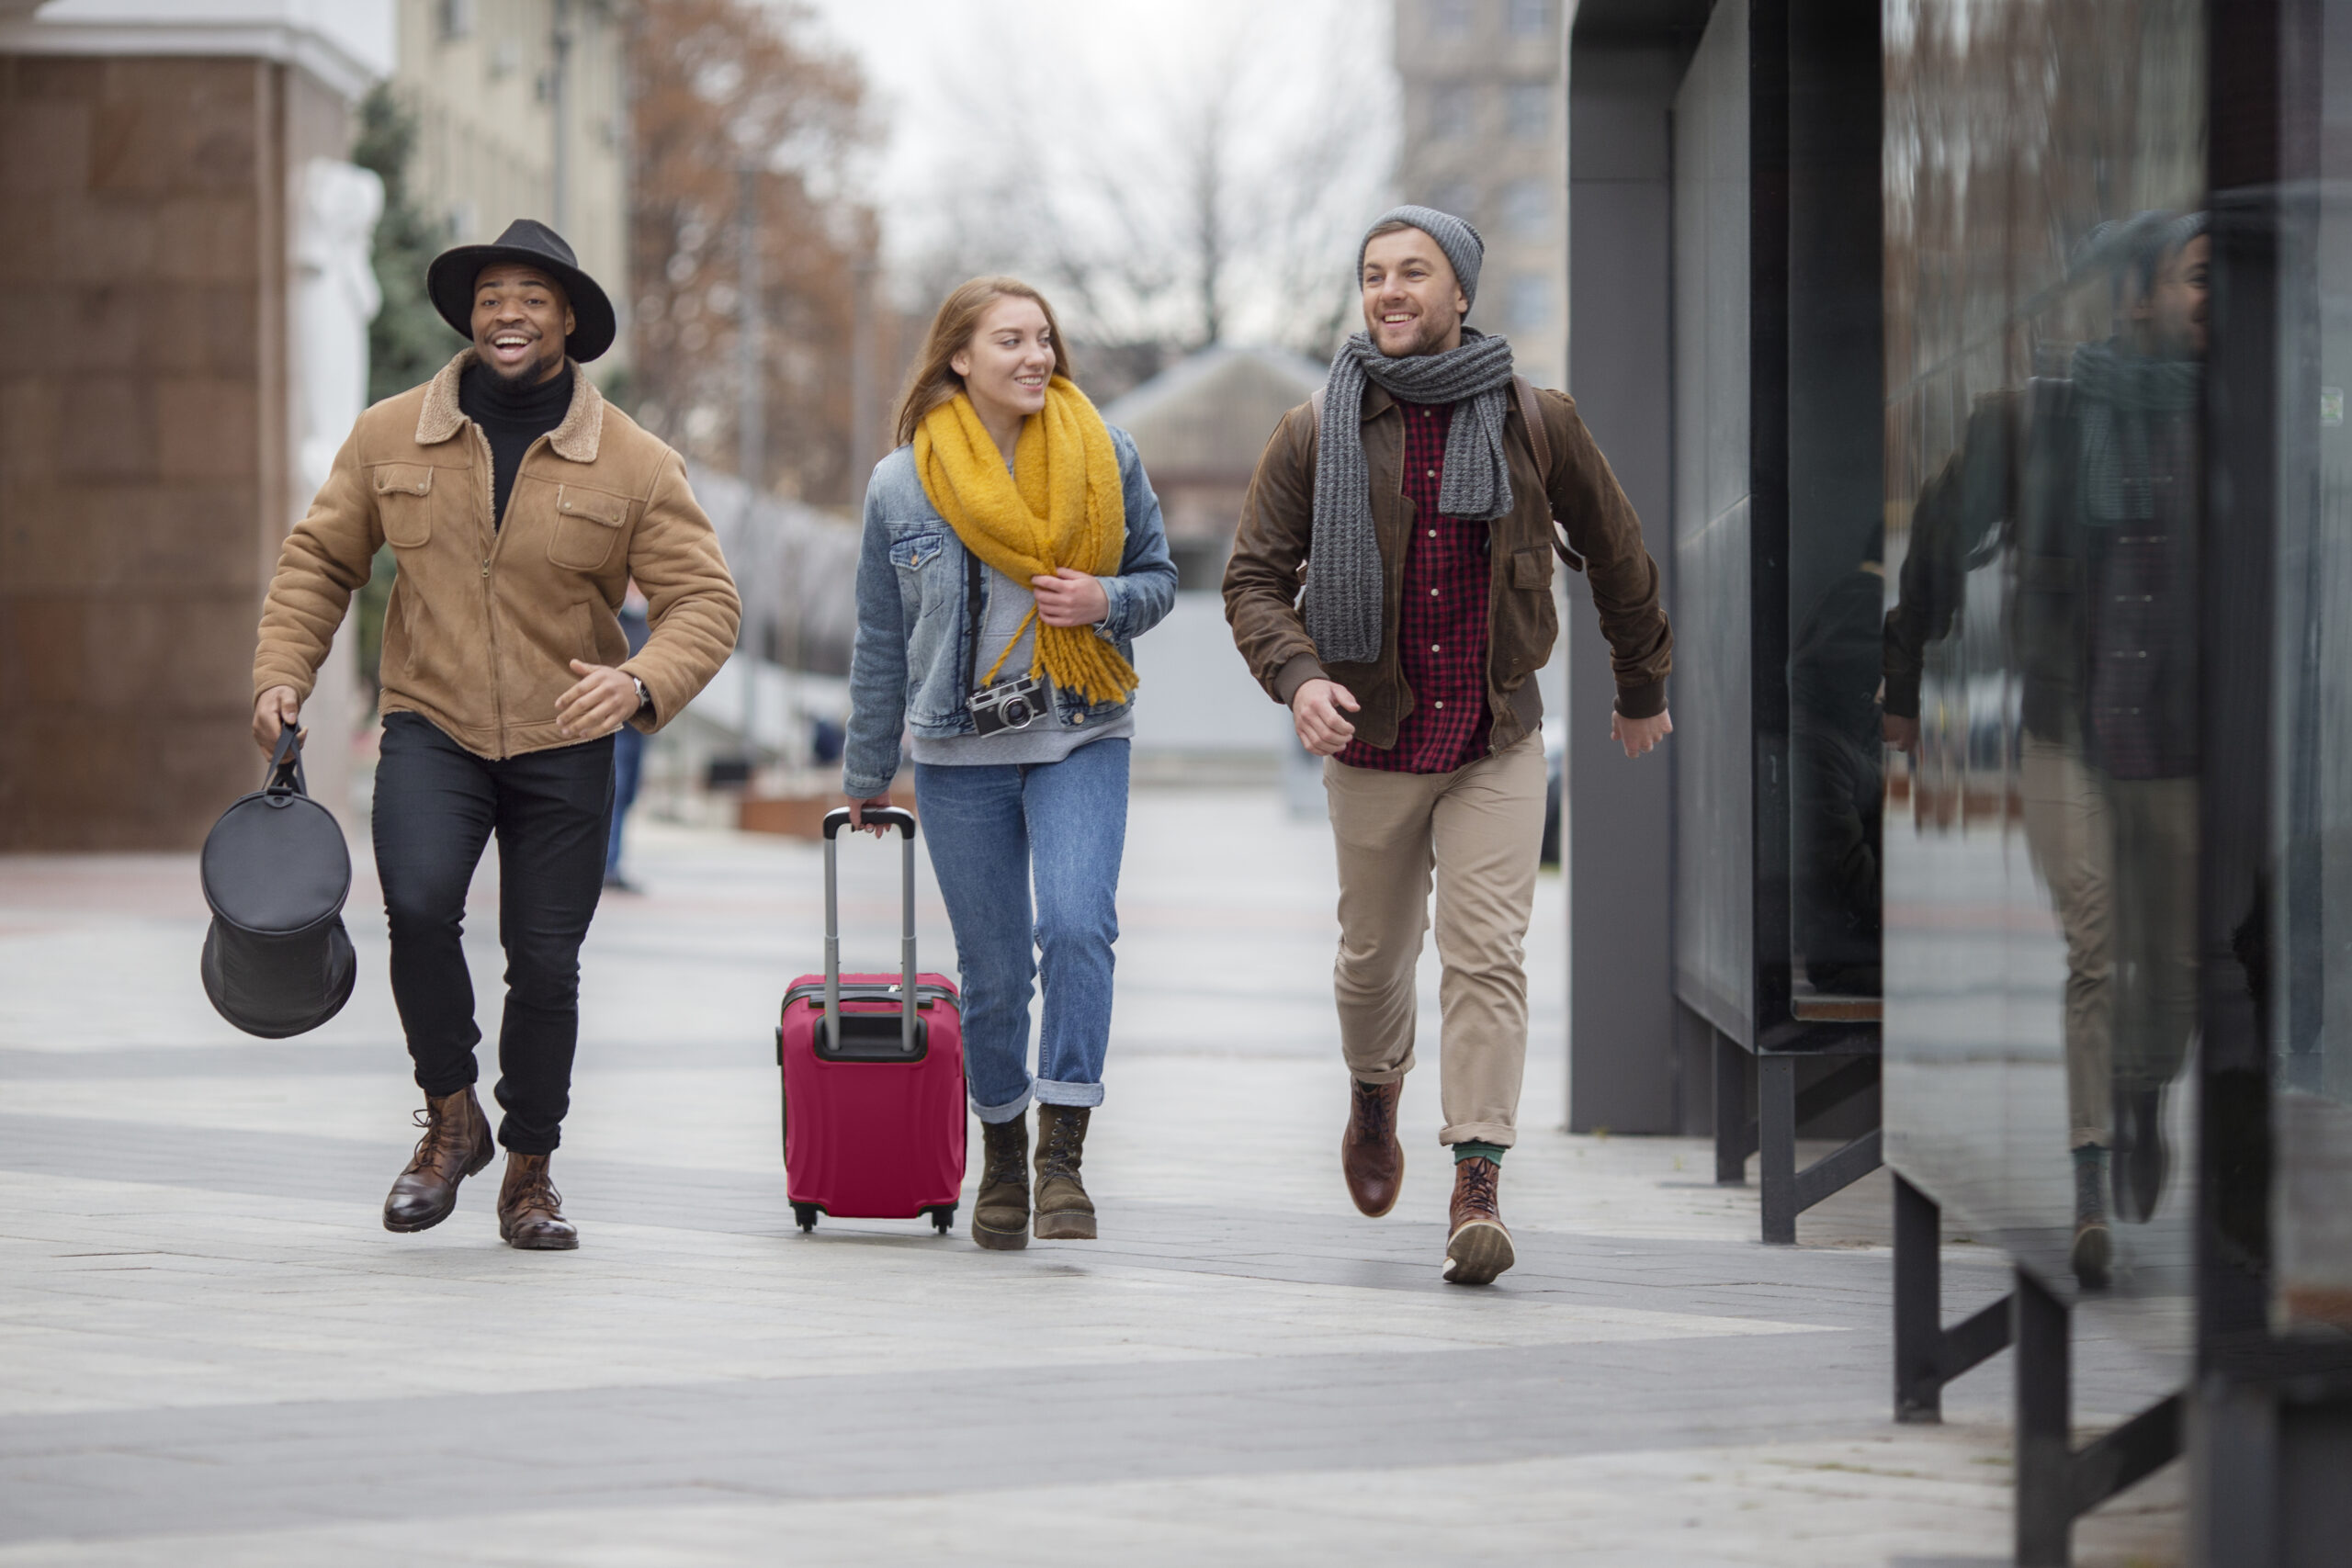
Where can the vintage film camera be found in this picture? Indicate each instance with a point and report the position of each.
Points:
(1007, 705)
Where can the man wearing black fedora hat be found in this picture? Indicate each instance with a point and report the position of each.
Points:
(518, 505)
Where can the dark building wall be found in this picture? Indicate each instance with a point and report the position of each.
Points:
(143, 432)
(1621, 1054)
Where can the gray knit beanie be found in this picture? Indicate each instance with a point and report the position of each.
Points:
(1463, 247)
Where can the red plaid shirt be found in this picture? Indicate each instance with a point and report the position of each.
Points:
(1443, 623)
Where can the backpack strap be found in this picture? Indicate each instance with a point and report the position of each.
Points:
(1539, 441)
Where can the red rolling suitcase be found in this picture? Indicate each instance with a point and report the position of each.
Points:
(873, 1089)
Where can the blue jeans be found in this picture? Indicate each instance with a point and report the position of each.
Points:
(629, 761)
(991, 829)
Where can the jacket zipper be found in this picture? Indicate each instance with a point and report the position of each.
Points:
(489, 588)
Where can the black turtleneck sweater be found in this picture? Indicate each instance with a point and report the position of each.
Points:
(512, 415)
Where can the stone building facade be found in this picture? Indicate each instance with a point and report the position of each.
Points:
(1485, 138)
(521, 113)
(151, 159)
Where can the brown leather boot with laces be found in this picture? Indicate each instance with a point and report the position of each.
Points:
(530, 1210)
(1478, 1248)
(1064, 1210)
(1000, 1208)
(455, 1145)
(1370, 1156)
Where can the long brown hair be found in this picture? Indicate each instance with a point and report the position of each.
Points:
(934, 380)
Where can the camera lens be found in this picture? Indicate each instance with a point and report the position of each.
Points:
(1016, 712)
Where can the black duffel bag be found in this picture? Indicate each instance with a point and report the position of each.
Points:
(277, 961)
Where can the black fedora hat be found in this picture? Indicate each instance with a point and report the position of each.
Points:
(450, 283)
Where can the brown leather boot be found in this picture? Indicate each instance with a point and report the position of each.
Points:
(530, 1210)
(1064, 1210)
(1000, 1208)
(1370, 1156)
(1478, 1248)
(455, 1145)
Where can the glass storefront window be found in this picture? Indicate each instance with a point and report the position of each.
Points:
(2047, 258)
(2306, 974)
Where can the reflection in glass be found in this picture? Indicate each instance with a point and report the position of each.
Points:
(2307, 974)
(2046, 273)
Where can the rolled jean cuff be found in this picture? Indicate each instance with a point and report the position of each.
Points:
(1383, 1074)
(1009, 1111)
(1052, 1093)
(1498, 1132)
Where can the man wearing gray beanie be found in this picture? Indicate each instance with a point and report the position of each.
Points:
(1415, 498)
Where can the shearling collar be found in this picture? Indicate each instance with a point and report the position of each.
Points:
(575, 439)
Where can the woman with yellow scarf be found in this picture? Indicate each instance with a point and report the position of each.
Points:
(1013, 551)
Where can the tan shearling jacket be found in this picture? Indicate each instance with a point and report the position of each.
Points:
(484, 621)
(1269, 563)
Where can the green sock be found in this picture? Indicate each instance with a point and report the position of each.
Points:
(1470, 1148)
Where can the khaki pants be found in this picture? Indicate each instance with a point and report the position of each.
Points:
(2120, 858)
(2070, 834)
(1476, 832)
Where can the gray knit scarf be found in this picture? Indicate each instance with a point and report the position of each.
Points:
(1342, 604)
(2121, 395)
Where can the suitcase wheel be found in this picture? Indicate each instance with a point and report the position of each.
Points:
(805, 1217)
(943, 1216)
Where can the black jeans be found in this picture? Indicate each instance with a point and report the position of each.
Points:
(437, 806)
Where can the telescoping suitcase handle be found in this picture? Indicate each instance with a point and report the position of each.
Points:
(904, 821)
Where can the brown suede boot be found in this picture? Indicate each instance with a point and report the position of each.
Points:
(1000, 1208)
(1478, 1248)
(1064, 1210)
(1370, 1156)
(530, 1210)
(455, 1145)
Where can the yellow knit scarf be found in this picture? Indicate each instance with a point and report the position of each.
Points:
(1061, 506)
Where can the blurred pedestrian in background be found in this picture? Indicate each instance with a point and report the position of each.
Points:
(519, 504)
(1415, 504)
(1013, 550)
(628, 745)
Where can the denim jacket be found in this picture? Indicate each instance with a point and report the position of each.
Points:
(913, 661)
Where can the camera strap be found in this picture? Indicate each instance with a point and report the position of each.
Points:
(973, 572)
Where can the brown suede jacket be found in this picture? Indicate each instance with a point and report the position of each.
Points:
(1262, 580)
(484, 621)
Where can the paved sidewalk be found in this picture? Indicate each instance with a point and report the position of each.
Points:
(211, 1352)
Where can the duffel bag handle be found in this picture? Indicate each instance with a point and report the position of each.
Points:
(286, 765)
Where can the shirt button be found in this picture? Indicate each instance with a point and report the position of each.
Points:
(1432, 472)
(1432, 592)
(1441, 704)
(1432, 647)
(1433, 533)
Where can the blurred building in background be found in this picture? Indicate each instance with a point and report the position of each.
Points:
(183, 297)
(1485, 138)
(1200, 427)
(521, 111)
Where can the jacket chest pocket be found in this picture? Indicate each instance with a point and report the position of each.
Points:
(404, 494)
(917, 556)
(588, 524)
(1531, 568)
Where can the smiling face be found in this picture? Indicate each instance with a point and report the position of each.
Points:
(521, 318)
(2172, 317)
(1009, 360)
(1411, 302)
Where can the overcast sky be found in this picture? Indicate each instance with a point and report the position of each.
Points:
(936, 68)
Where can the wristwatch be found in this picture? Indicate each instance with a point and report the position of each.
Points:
(644, 697)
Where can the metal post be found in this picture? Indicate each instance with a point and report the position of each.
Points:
(1918, 1305)
(750, 430)
(2045, 1455)
(559, 119)
(1731, 1111)
(865, 419)
(1776, 1137)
